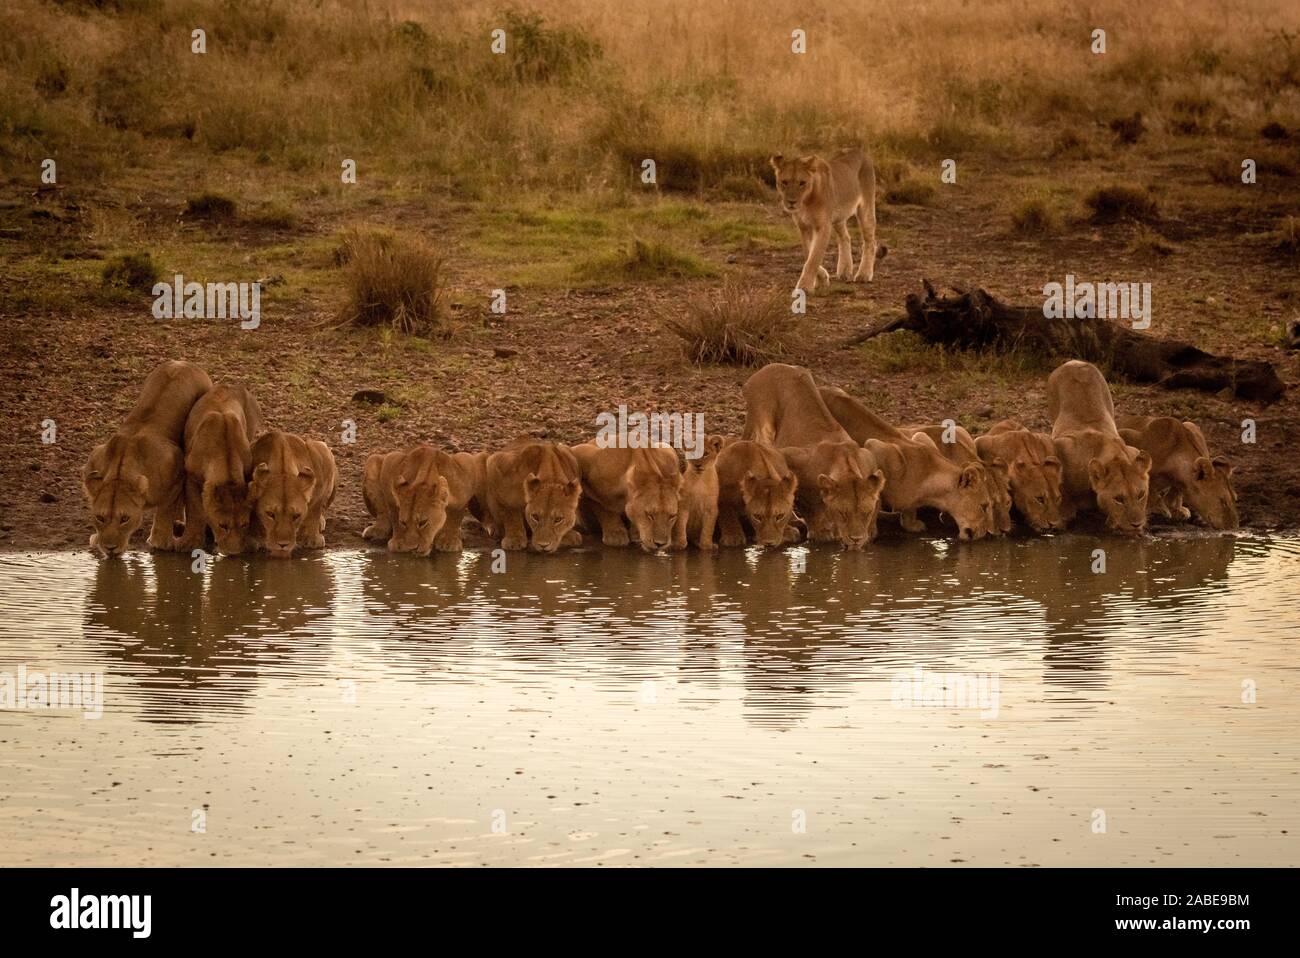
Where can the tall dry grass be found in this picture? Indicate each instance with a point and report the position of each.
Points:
(588, 86)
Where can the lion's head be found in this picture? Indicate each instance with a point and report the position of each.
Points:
(769, 504)
(280, 504)
(794, 179)
(421, 500)
(1120, 481)
(551, 510)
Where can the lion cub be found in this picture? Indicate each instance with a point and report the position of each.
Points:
(293, 485)
(142, 466)
(820, 195)
(418, 497)
(531, 491)
(697, 510)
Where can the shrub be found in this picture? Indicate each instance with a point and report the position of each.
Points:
(394, 282)
(210, 206)
(1033, 217)
(1111, 204)
(736, 324)
(130, 271)
(542, 54)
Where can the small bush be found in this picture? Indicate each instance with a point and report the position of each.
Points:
(1033, 217)
(1112, 204)
(910, 192)
(1273, 130)
(394, 282)
(643, 261)
(542, 54)
(736, 324)
(210, 206)
(135, 272)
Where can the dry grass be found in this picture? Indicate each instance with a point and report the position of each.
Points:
(396, 282)
(585, 86)
(1117, 203)
(735, 324)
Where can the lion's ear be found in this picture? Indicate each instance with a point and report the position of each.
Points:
(444, 490)
(808, 160)
(142, 486)
(571, 488)
(532, 483)
(401, 481)
(258, 485)
(775, 159)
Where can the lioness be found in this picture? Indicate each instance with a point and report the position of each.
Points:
(754, 481)
(293, 485)
(820, 196)
(1034, 472)
(1099, 469)
(218, 462)
(1182, 470)
(642, 484)
(783, 407)
(142, 466)
(532, 490)
(697, 503)
(838, 492)
(418, 497)
(916, 474)
(997, 480)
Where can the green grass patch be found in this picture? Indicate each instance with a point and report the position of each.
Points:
(642, 261)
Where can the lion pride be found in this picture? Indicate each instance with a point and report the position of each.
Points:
(142, 466)
(1100, 470)
(820, 196)
(292, 487)
(418, 497)
(643, 485)
(531, 492)
(218, 463)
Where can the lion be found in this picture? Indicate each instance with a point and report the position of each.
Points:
(820, 196)
(917, 475)
(754, 481)
(1099, 469)
(292, 487)
(142, 465)
(838, 492)
(642, 484)
(218, 463)
(783, 407)
(958, 447)
(1182, 470)
(418, 497)
(531, 491)
(697, 503)
(1034, 472)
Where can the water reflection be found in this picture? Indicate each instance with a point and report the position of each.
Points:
(795, 630)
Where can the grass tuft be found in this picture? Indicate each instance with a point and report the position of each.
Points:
(642, 261)
(736, 324)
(1117, 203)
(394, 282)
(134, 272)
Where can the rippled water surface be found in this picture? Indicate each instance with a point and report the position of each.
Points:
(608, 707)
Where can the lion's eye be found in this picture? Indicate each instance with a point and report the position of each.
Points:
(101, 519)
(1120, 500)
(1042, 500)
(534, 518)
(651, 516)
(802, 184)
(423, 522)
(295, 516)
(557, 520)
(780, 517)
(270, 515)
(123, 518)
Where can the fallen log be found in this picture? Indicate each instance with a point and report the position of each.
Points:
(976, 320)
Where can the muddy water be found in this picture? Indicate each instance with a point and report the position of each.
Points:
(609, 707)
